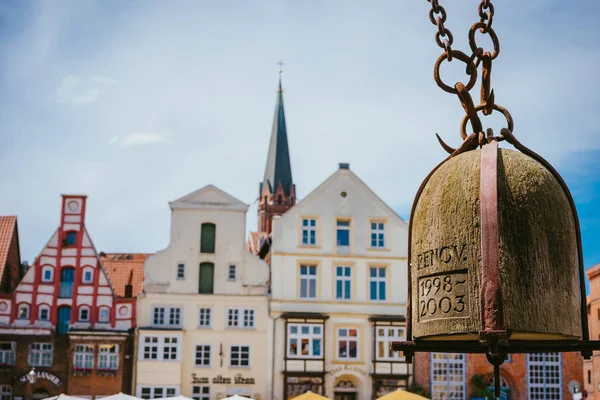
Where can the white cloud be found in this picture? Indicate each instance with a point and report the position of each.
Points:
(140, 139)
(78, 91)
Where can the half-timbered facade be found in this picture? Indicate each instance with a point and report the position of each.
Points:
(334, 256)
(65, 321)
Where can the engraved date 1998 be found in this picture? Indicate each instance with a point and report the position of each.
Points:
(443, 296)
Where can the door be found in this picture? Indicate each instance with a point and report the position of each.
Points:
(67, 277)
(344, 396)
(206, 278)
(64, 318)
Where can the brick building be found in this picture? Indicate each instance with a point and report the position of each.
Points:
(523, 376)
(64, 319)
(591, 370)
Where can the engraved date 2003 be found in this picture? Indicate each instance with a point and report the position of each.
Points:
(443, 296)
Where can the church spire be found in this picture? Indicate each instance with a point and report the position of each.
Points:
(277, 190)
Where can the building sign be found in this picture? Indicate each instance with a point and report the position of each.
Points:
(43, 375)
(221, 380)
(347, 368)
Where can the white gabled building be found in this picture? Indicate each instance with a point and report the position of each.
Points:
(203, 315)
(338, 293)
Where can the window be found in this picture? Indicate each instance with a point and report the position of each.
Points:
(206, 278)
(40, 354)
(8, 352)
(23, 311)
(47, 274)
(166, 316)
(83, 357)
(378, 235)
(234, 315)
(304, 340)
(207, 238)
(343, 283)
(231, 275)
(347, 343)
(108, 357)
(71, 237)
(448, 376)
(308, 281)
(589, 377)
(67, 276)
(160, 348)
(385, 337)
(240, 356)
(44, 313)
(544, 373)
(343, 235)
(201, 393)
(156, 392)
(203, 355)
(84, 313)
(104, 314)
(180, 271)
(204, 317)
(64, 319)
(309, 232)
(377, 283)
(5, 392)
(88, 275)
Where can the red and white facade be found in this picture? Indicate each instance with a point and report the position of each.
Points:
(65, 319)
(70, 248)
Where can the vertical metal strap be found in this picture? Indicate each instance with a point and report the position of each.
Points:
(492, 318)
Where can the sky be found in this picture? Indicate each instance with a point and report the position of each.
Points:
(138, 103)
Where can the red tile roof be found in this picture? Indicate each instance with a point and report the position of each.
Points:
(254, 241)
(125, 268)
(7, 230)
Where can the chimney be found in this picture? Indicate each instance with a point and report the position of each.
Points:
(129, 290)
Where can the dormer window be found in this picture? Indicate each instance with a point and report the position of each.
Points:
(71, 237)
(88, 275)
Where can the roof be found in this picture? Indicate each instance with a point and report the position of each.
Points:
(125, 268)
(8, 227)
(278, 169)
(255, 241)
(209, 197)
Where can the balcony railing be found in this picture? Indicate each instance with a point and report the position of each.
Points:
(343, 250)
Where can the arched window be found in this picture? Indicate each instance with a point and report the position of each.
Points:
(84, 314)
(44, 313)
(70, 238)
(104, 314)
(67, 276)
(88, 275)
(23, 311)
(207, 238)
(47, 273)
(206, 278)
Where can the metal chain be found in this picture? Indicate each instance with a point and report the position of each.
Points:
(479, 56)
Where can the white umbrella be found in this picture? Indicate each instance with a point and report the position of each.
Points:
(118, 396)
(237, 397)
(63, 397)
(173, 398)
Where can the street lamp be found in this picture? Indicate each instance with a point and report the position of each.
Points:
(32, 376)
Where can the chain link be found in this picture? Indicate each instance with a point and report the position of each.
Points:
(479, 56)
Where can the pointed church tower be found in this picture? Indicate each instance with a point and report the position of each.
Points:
(277, 192)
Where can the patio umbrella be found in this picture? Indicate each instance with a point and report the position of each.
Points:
(173, 398)
(402, 395)
(310, 396)
(236, 397)
(119, 396)
(63, 397)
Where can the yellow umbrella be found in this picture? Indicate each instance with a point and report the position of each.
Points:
(402, 395)
(310, 396)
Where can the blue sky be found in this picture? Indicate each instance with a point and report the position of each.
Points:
(137, 103)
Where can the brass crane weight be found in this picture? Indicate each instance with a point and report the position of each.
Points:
(495, 256)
